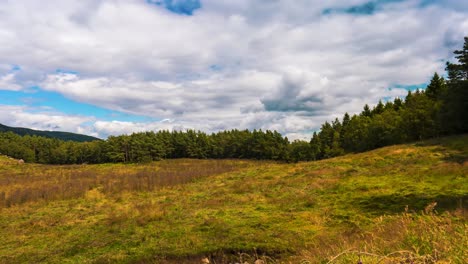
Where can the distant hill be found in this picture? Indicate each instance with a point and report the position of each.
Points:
(67, 136)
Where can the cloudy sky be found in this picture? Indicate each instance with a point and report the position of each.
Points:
(108, 67)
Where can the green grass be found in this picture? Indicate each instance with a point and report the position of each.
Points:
(370, 205)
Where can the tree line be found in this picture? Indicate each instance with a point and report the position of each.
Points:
(441, 109)
(149, 146)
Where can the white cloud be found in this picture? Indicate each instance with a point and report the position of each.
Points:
(234, 64)
(8, 82)
(21, 116)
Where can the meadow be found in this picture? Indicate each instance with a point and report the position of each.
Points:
(398, 204)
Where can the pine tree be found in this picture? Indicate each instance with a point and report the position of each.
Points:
(436, 87)
(378, 109)
(397, 104)
(462, 56)
(315, 147)
(453, 116)
(366, 111)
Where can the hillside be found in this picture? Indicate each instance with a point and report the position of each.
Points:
(403, 203)
(67, 136)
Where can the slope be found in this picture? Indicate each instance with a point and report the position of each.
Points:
(67, 136)
(399, 203)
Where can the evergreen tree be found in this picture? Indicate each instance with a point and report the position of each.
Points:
(418, 117)
(436, 87)
(344, 128)
(453, 116)
(300, 151)
(366, 112)
(378, 109)
(315, 147)
(462, 57)
(397, 104)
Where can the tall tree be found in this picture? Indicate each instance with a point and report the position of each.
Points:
(378, 109)
(366, 111)
(436, 87)
(462, 57)
(454, 111)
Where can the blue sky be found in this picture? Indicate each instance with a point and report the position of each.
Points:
(365, 8)
(103, 67)
(184, 7)
(40, 100)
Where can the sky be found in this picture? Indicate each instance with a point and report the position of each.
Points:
(111, 67)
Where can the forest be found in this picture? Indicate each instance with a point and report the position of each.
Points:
(439, 110)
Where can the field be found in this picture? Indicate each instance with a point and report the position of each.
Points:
(399, 204)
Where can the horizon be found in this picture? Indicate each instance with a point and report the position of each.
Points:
(103, 68)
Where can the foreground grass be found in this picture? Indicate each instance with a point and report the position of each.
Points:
(377, 206)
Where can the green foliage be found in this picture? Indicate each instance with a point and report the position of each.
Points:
(300, 151)
(366, 112)
(149, 146)
(436, 87)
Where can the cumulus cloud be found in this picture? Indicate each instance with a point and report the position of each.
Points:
(8, 82)
(298, 91)
(225, 95)
(42, 119)
(214, 65)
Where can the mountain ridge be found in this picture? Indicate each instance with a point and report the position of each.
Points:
(62, 135)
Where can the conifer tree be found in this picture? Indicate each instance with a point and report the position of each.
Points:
(454, 112)
(366, 111)
(436, 87)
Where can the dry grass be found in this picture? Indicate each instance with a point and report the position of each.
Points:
(184, 211)
(26, 183)
(426, 237)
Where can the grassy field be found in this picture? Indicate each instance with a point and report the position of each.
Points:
(399, 204)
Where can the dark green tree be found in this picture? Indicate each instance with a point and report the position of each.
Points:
(366, 111)
(436, 87)
(453, 116)
(378, 109)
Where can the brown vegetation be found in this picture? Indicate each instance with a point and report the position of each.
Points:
(47, 183)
